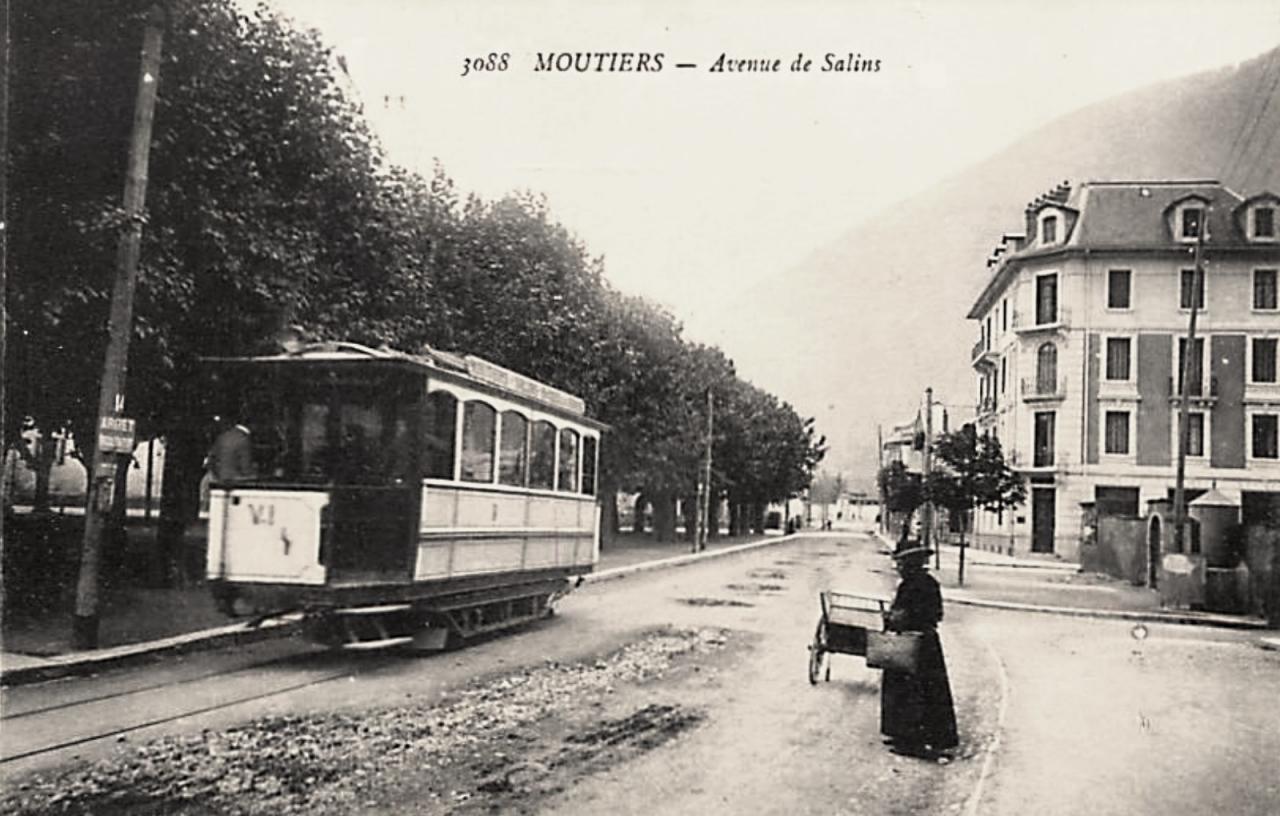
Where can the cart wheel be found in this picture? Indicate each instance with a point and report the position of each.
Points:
(818, 655)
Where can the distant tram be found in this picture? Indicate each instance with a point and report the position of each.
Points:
(400, 499)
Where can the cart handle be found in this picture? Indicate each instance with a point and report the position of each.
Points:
(826, 599)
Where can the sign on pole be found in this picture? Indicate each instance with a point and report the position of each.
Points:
(115, 434)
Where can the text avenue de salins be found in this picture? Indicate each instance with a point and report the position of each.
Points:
(623, 62)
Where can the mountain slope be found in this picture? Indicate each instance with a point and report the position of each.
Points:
(873, 318)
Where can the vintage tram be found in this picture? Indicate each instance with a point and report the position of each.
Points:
(399, 499)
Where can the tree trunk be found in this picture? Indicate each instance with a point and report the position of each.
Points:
(637, 523)
(664, 517)
(963, 547)
(44, 455)
(758, 517)
(905, 532)
(180, 504)
(690, 507)
(735, 517)
(115, 532)
(713, 518)
(608, 517)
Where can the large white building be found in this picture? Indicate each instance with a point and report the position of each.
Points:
(1082, 328)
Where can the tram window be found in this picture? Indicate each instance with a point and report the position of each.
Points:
(315, 439)
(589, 465)
(478, 423)
(399, 450)
(542, 456)
(361, 454)
(568, 480)
(513, 454)
(439, 424)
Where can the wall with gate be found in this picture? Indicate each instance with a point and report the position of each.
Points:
(1121, 548)
(1262, 556)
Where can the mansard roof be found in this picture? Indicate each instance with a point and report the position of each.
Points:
(1133, 214)
(1124, 215)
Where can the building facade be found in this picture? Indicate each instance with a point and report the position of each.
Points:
(1082, 345)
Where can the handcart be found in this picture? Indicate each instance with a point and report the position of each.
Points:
(843, 627)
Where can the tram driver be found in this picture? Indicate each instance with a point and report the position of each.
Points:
(231, 456)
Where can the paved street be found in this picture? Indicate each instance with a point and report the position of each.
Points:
(674, 691)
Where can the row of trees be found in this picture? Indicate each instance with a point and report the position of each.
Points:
(270, 203)
(969, 473)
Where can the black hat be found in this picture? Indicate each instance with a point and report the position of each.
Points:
(910, 547)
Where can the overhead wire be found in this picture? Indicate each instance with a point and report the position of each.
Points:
(1248, 132)
(1230, 156)
(1260, 165)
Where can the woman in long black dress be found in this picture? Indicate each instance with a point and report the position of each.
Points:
(916, 711)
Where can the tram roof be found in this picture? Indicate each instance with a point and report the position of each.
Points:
(463, 367)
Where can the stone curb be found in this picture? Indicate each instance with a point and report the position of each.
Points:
(1047, 567)
(243, 633)
(978, 561)
(78, 663)
(1153, 616)
(681, 560)
(971, 563)
(1149, 616)
(1270, 643)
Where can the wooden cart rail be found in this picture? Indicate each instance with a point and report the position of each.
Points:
(842, 629)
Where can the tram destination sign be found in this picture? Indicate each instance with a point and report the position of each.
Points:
(495, 374)
(115, 434)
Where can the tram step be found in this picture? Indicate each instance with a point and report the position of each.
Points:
(373, 610)
(387, 643)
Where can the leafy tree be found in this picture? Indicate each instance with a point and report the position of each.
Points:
(970, 472)
(769, 454)
(270, 203)
(267, 203)
(902, 492)
(827, 487)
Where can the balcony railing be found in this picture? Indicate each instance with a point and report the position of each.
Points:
(1195, 388)
(1026, 323)
(984, 355)
(1033, 389)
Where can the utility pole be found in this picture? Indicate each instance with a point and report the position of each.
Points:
(1184, 426)
(880, 469)
(4, 252)
(115, 432)
(927, 510)
(704, 511)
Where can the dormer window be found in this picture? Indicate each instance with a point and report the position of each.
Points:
(1256, 218)
(1264, 223)
(1049, 230)
(1192, 218)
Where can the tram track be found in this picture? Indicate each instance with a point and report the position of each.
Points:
(117, 695)
(28, 732)
(115, 732)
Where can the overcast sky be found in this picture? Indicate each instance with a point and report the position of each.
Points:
(692, 184)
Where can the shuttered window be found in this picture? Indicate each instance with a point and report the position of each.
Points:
(1263, 369)
(1118, 354)
(1117, 432)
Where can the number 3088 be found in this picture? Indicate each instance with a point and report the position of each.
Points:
(491, 62)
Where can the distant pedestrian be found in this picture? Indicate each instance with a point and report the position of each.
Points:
(917, 715)
(231, 456)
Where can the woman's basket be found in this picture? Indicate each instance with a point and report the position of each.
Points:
(897, 651)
